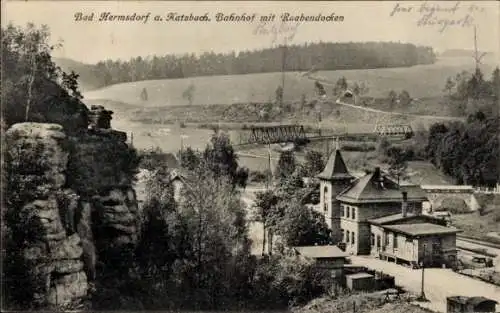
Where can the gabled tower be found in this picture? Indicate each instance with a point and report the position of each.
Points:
(333, 180)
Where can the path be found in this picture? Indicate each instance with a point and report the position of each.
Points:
(332, 84)
(448, 118)
(255, 231)
(439, 283)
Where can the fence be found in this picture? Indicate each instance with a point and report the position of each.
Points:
(494, 190)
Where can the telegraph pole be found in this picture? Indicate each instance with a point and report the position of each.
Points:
(477, 57)
(422, 293)
(283, 64)
(270, 178)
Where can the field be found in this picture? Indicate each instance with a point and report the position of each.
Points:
(421, 81)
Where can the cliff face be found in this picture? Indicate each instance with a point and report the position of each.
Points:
(69, 204)
(36, 180)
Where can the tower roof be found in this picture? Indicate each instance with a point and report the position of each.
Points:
(335, 167)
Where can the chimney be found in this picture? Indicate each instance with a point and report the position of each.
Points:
(378, 179)
(404, 204)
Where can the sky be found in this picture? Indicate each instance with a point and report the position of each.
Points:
(419, 22)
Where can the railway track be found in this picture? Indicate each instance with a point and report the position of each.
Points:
(479, 242)
(478, 246)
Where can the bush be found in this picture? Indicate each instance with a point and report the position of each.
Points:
(454, 205)
(361, 147)
(258, 176)
(285, 280)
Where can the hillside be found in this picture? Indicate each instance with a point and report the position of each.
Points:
(420, 81)
(88, 79)
(457, 53)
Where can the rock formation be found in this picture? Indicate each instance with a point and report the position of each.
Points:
(71, 206)
(36, 177)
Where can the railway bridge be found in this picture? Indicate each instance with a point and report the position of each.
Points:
(297, 135)
(439, 193)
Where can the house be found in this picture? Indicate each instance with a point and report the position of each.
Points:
(372, 196)
(413, 238)
(329, 258)
(460, 304)
(177, 178)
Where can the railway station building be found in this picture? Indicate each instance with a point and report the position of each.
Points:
(374, 207)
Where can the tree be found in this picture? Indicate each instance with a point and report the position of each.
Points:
(190, 159)
(436, 132)
(188, 94)
(263, 208)
(303, 101)
(217, 231)
(315, 163)
(164, 233)
(291, 184)
(286, 165)
(393, 98)
(495, 83)
(356, 90)
(144, 94)
(340, 86)
(320, 90)
(449, 86)
(467, 151)
(363, 88)
(307, 57)
(279, 95)
(33, 87)
(241, 176)
(302, 226)
(220, 157)
(397, 163)
(404, 98)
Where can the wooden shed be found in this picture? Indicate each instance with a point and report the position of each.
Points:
(461, 304)
(360, 281)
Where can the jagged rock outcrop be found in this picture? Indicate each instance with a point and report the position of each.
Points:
(36, 168)
(104, 184)
(72, 211)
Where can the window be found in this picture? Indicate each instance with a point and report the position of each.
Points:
(342, 208)
(386, 239)
(378, 241)
(347, 211)
(372, 239)
(343, 234)
(325, 199)
(395, 241)
(353, 213)
(352, 238)
(347, 236)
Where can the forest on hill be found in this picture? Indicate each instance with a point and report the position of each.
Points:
(305, 57)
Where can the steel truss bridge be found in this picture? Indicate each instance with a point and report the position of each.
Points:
(278, 134)
(394, 130)
(296, 134)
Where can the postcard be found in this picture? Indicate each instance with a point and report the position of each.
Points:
(251, 156)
